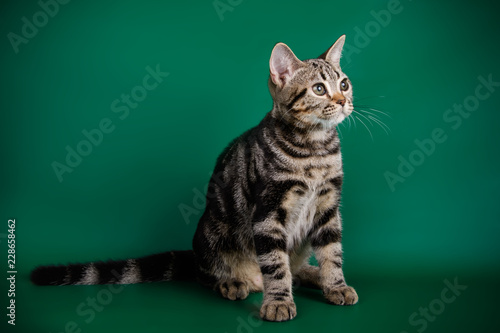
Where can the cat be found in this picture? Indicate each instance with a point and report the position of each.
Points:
(273, 199)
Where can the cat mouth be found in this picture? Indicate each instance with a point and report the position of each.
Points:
(331, 112)
(334, 114)
(334, 117)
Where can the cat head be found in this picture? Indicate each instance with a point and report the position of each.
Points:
(313, 92)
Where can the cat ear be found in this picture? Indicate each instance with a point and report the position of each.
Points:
(334, 52)
(283, 64)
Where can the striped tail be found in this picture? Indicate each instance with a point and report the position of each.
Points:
(167, 266)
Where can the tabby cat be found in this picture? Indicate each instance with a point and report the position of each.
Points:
(273, 198)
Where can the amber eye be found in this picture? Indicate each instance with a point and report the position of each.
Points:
(344, 85)
(319, 89)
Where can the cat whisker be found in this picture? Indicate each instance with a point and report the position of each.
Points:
(285, 113)
(313, 128)
(381, 124)
(353, 120)
(349, 120)
(365, 127)
(362, 115)
(351, 123)
(379, 121)
(373, 118)
(375, 110)
(362, 107)
(343, 123)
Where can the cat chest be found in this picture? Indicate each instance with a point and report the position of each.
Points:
(303, 203)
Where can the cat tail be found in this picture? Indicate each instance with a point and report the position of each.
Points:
(167, 266)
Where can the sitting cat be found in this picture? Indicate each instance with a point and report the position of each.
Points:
(274, 198)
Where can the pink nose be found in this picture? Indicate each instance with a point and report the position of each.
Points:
(338, 99)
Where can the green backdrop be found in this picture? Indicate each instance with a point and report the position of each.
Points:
(148, 93)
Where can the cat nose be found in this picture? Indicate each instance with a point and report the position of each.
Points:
(338, 99)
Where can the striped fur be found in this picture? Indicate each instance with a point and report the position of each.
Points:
(273, 198)
(167, 266)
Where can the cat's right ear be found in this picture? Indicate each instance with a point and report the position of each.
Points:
(333, 54)
(283, 64)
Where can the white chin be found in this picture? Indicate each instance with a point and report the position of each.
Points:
(327, 123)
(340, 118)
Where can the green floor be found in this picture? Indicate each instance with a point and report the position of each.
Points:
(387, 304)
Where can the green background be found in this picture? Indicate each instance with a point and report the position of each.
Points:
(123, 199)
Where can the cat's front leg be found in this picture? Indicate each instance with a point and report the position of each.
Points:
(270, 245)
(326, 242)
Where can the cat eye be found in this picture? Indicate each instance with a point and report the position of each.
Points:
(344, 85)
(319, 89)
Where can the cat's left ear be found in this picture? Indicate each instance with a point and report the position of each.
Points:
(333, 54)
(283, 64)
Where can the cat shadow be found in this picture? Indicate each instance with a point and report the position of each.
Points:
(205, 296)
(310, 293)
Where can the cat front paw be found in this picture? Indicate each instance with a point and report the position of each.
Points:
(234, 289)
(344, 295)
(274, 310)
